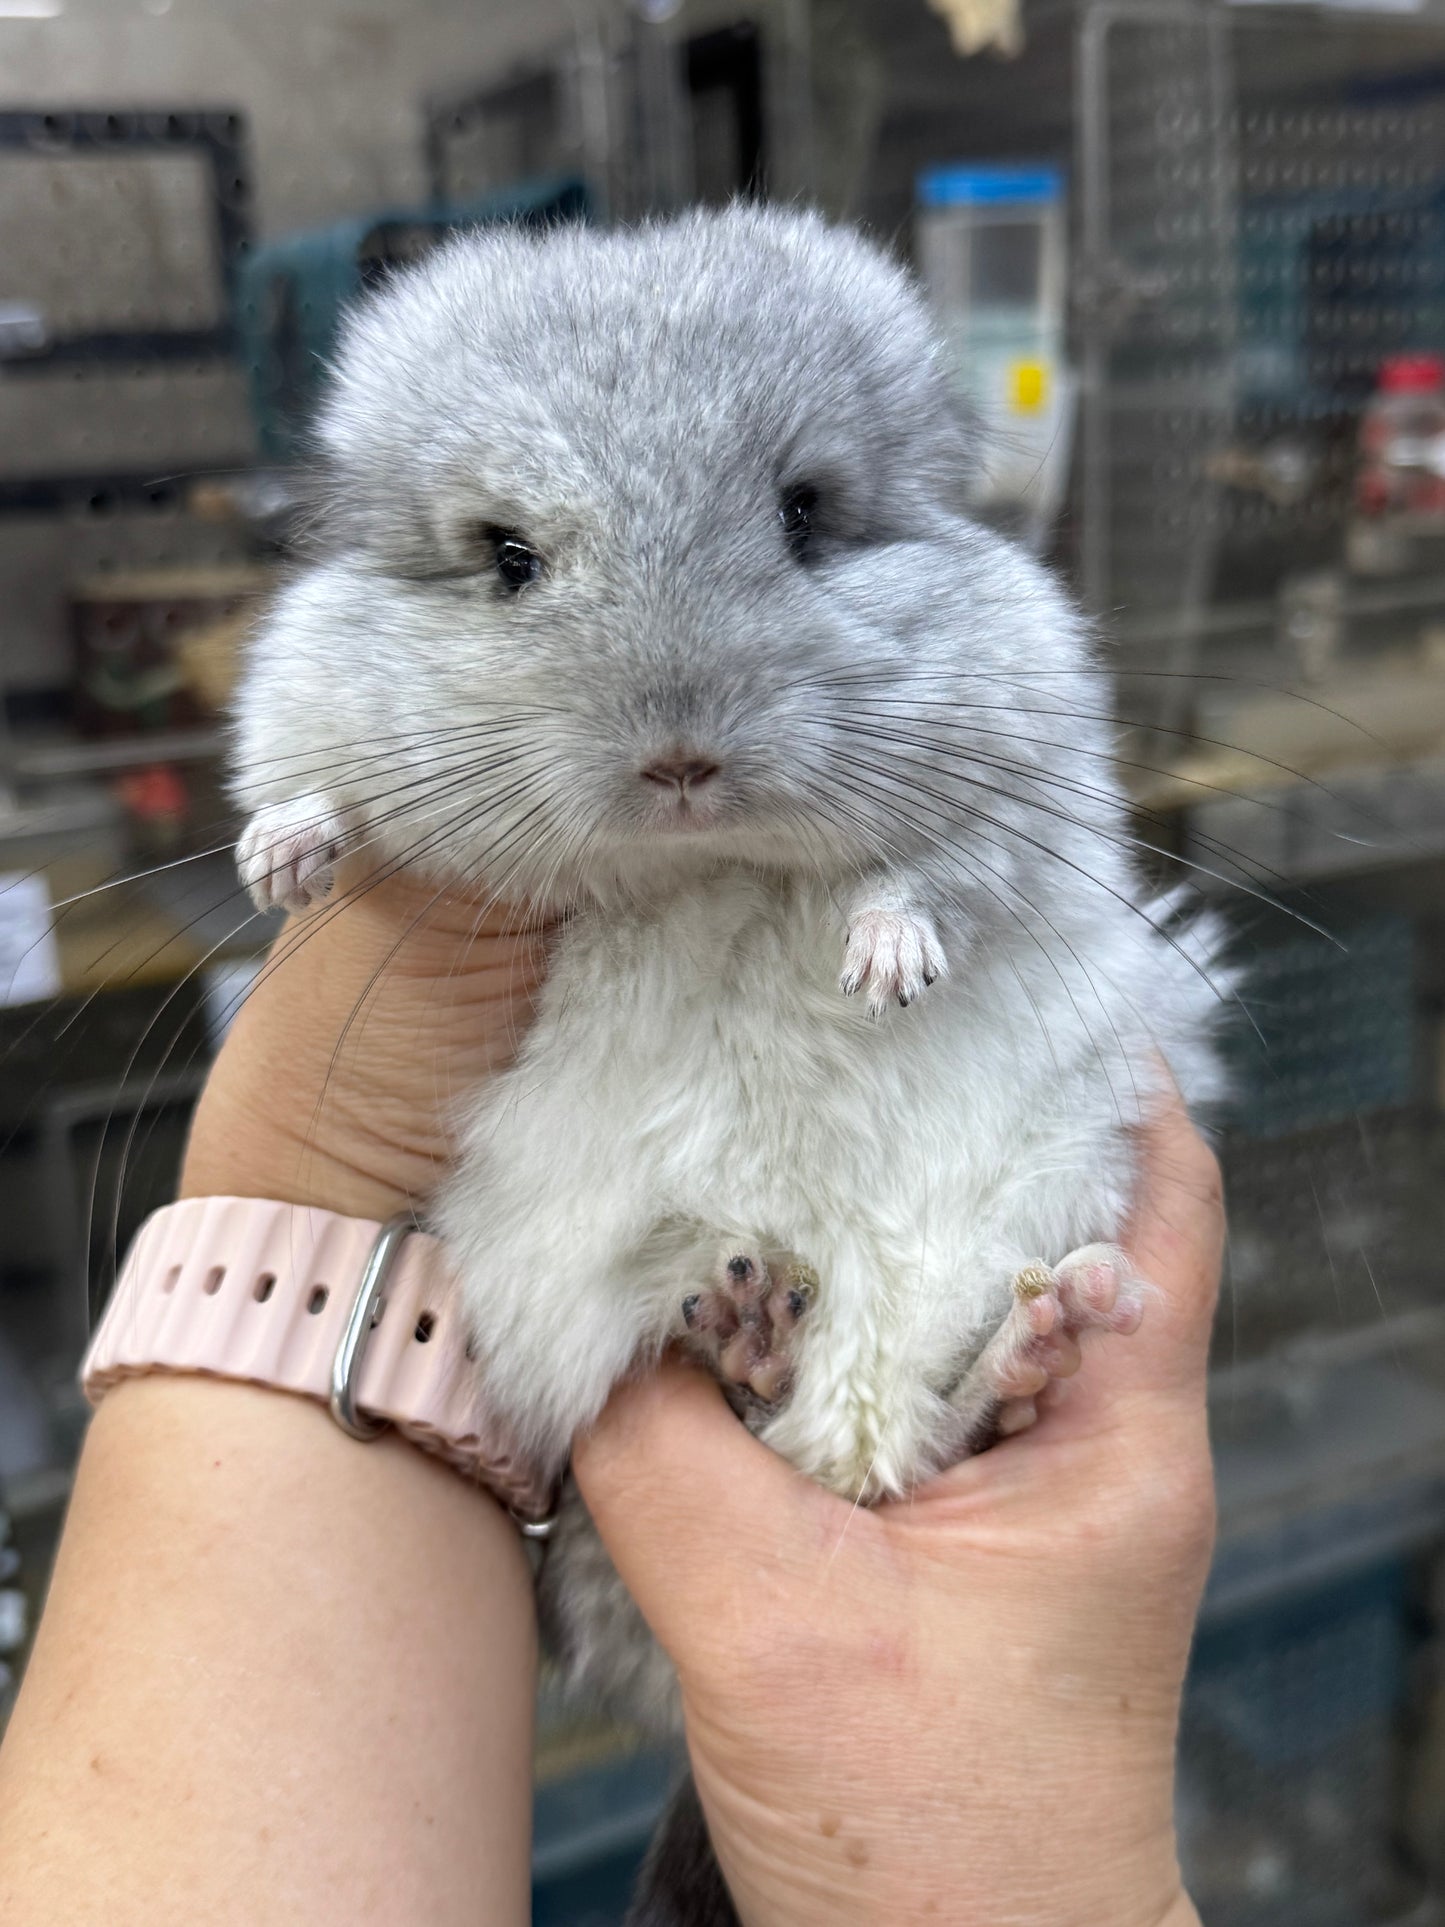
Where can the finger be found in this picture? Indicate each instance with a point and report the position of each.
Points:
(1176, 1240)
(443, 930)
(399, 896)
(680, 1490)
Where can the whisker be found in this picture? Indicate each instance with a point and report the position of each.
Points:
(975, 814)
(957, 851)
(124, 1078)
(1119, 839)
(967, 861)
(1111, 673)
(957, 704)
(263, 775)
(288, 947)
(1269, 804)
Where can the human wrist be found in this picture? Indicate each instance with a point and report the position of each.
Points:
(870, 1829)
(227, 1158)
(792, 1899)
(785, 1881)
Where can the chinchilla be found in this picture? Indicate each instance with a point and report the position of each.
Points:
(644, 591)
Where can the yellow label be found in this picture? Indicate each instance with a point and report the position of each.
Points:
(1028, 386)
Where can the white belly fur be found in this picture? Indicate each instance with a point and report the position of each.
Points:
(699, 1068)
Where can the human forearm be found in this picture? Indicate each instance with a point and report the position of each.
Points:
(280, 1676)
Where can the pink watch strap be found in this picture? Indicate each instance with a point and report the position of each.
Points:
(248, 1289)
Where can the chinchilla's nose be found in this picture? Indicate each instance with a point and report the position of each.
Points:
(680, 769)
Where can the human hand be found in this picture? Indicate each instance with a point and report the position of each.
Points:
(962, 1707)
(374, 1011)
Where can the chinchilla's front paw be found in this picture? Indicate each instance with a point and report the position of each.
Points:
(892, 953)
(288, 853)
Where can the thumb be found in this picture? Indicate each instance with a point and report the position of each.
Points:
(1176, 1241)
(681, 1492)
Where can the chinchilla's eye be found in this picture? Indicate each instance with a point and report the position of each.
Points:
(797, 507)
(517, 562)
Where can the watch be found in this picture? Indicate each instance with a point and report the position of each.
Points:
(364, 1317)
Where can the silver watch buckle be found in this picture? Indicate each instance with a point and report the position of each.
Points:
(360, 1322)
(351, 1350)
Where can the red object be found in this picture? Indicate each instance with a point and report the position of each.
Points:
(157, 794)
(1412, 374)
(1372, 492)
(1402, 442)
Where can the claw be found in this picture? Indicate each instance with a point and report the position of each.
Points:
(743, 1323)
(1033, 1281)
(1021, 1368)
(895, 953)
(288, 853)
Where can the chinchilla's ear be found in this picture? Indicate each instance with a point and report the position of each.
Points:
(962, 438)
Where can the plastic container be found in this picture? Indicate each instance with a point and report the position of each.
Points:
(1402, 441)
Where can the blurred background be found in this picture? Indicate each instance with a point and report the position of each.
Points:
(1190, 262)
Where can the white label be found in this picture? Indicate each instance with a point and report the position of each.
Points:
(29, 959)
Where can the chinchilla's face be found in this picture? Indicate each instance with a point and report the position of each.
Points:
(640, 511)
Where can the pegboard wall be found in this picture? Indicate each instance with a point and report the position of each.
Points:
(1331, 1229)
(1263, 204)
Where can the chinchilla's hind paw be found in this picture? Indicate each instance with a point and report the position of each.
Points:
(1094, 1288)
(742, 1321)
